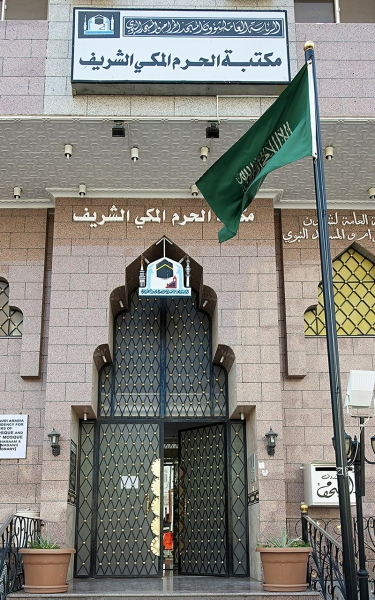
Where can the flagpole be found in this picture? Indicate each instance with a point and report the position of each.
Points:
(350, 575)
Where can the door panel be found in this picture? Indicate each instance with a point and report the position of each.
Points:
(203, 501)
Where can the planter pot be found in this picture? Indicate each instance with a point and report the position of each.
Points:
(46, 570)
(284, 569)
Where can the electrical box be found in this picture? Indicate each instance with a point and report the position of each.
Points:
(320, 484)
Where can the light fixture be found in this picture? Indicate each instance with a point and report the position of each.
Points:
(82, 189)
(85, 416)
(104, 358)
(271, 441)
(204, 153)
(54, 438)
(17, 193)
(329, 152)
(121, 303)
(360, 393)
(68, 150)
(242, 416)
(118, 130)
(222, 358)
(371, 193)
(134, 153)
(194, 190)
(205, 303)
(212, 131)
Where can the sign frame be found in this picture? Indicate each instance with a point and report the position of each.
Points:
(121, 50)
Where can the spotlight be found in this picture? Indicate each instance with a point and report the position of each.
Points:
(17, 192)
(118, 130)
(212, 131)
(371, 193)
(204, 153)
(68, 149)
(82, 189)
(134, 153)
(194, 190)
(329, 152)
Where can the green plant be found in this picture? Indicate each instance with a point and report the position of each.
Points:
(43, 543)
(284, 540)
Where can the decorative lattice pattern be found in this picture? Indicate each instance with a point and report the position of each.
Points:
(163, 363)
(202, 518)
(238, 499)
(11, 319)
(128, 508)
(354, 294)
(85, 500)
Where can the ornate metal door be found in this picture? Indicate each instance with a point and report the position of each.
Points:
(203, 543)
(121, 535)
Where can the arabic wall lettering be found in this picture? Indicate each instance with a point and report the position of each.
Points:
(139, 26)
(152, 215)
(343, 228)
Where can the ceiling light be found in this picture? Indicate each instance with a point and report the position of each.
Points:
(212, 131)
(134, 153)
(204, 153)
(329, 152)
(194, 190)
(68, 149)
(118, 130)
(82, 189)
(17, 192)
(371, 193)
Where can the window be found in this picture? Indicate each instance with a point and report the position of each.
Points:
(354, 292)
(11, 319)
(329, 11)
(24, 10)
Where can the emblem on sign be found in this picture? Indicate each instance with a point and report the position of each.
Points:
(164, 277)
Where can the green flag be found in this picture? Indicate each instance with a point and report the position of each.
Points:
(282, 135)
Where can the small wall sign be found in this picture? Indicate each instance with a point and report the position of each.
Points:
(13, 436)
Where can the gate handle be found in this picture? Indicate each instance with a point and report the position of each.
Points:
(147, 504)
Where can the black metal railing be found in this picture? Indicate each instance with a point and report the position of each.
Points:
(325, 570)
(16, 532)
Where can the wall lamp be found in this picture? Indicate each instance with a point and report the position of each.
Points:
(17, 193)
(118, 129)
(204, 153)
(82, 189)
(371, 193)
(134, 153)
(194, 190)
(271, 441)
(68, 150)
(329, 152)
(54, 438)
(212, 131)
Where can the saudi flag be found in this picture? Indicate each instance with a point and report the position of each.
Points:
(283, 134)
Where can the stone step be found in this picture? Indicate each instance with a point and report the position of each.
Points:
(167, 588)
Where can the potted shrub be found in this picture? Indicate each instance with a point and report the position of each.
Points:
(284, 562)
(45, 566)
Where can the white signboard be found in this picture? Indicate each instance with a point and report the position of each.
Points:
(13, 436)
(320, 485)
(171, 46)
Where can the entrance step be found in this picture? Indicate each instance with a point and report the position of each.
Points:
(167, 588)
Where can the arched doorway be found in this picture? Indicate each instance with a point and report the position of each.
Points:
(162, 457)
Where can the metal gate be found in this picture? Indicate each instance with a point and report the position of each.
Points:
(119, 501)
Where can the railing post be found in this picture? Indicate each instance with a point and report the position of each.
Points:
(305, 533)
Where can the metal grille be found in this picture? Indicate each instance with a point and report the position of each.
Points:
(202, 505)
(163, 363)
(354, 294)
(85, 501)
(238, 499)
(137, 359)
(11, 319)
(188, 359)
(128, 506)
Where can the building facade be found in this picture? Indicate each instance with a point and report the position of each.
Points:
(163, 404)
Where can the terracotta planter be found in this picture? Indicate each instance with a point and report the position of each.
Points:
(46, 570)
(284, 569)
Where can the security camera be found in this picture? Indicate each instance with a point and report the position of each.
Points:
(329, 152)
(194, 190)
(134, 154)
(371, 193)
(17, 193)
(204, 153)
(82, 189)
(68, 149)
